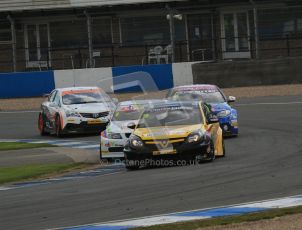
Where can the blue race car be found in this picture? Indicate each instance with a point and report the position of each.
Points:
(215, 99)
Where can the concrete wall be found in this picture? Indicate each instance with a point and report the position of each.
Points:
(249, 73)
(101, 77)
(182, 73)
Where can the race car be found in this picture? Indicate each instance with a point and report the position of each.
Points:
(75, 110)
(216, 101)
(114, 137)
(173, 130)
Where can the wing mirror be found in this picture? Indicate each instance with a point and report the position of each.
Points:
(231, 99)
(131, 125)
(47, 96)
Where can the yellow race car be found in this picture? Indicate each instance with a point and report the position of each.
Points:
(172, 131)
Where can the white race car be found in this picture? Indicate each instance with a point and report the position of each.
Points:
(75, 109)
(117, 132)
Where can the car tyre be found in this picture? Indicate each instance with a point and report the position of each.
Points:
(131, 164)
(41, 125)
(58, 127)
(101, 157)
(223, 148)
(213, 157)
(213, 152)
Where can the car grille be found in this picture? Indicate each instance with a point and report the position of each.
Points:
(155, 145)
(127, 135)
(115, 149)
(95, 115)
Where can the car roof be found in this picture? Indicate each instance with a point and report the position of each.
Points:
(77, 88)
(196, 87)
(172, 103)
(139, 102)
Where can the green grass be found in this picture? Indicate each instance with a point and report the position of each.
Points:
(21, 173)
(20, 145)
(193, 225)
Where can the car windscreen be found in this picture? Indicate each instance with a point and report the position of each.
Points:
(207, 96)
(170, 116)
(84, 97)
(126, 113)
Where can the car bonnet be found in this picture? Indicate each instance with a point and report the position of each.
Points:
(167, 132)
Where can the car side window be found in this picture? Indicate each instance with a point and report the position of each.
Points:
(170, 93)
(57, 99)
(207, 111)
(52, 96)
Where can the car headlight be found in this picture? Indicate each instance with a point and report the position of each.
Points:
(70, 113)
(195, 137)
(224, 113)
(136, 141)
(114, 136)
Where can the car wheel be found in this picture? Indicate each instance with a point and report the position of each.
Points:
(58, 127)
(223, 148)
(101, 158)
(213, 152)
(41, 125)
(131, 164)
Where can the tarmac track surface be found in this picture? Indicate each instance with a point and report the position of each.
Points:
(264, 162)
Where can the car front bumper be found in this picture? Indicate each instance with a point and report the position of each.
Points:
(84, 127)
(112, 148)
(203, 151)
(229, 126)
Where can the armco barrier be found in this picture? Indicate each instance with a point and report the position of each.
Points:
(26, 84)
(140, 78)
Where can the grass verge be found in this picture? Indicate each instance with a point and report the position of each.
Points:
(29, 172)
(21, 145)
(193, 225)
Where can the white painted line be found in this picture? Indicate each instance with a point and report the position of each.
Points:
(16, 112)
(69, 143)
(279, 203)
(270, 103)
(171, 218)
(87, 147)
(113, 155)
(5, 188)
(145, 222)
(8, 140)
(40, 142)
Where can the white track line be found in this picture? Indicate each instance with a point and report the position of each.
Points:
(291, 201)
(69, 144)
(87, 147)
(5, 188)
(271, 103)
(16, 112)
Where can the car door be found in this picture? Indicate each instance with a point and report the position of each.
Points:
(213, 128)
(54, 107)
(47, 109)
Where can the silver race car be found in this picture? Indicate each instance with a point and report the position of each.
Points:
(75, 110)
(114, 137)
